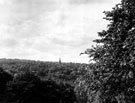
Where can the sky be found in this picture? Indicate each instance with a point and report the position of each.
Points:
(47, 30)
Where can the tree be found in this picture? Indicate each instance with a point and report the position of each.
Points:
(87, 85)
(28, 88)
(114, 55)
(4, 79)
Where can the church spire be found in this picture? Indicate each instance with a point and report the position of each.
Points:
(59, 60)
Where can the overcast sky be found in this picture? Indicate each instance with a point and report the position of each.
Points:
(50, 29)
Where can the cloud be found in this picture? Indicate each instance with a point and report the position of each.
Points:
(49, 29)
(9, 42)
(88, 1)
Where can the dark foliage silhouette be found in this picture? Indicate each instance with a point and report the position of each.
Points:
(28, 88)
(4, 78)
(114, 56)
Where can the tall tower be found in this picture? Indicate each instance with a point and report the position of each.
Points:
(59, 60)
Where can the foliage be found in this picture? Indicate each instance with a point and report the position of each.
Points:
(63, 74)
(67, 72)
(115, 57)
(86, 86)
(4, 78)
(29, 88)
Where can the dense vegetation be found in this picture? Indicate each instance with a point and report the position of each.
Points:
(38, 81)
(26, 87)
(67, 72)
(110, 79)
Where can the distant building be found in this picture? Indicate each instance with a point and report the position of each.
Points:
(59, 60)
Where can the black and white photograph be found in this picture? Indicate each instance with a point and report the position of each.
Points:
(67, 51)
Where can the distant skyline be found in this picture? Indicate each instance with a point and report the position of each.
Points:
(47, 30)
